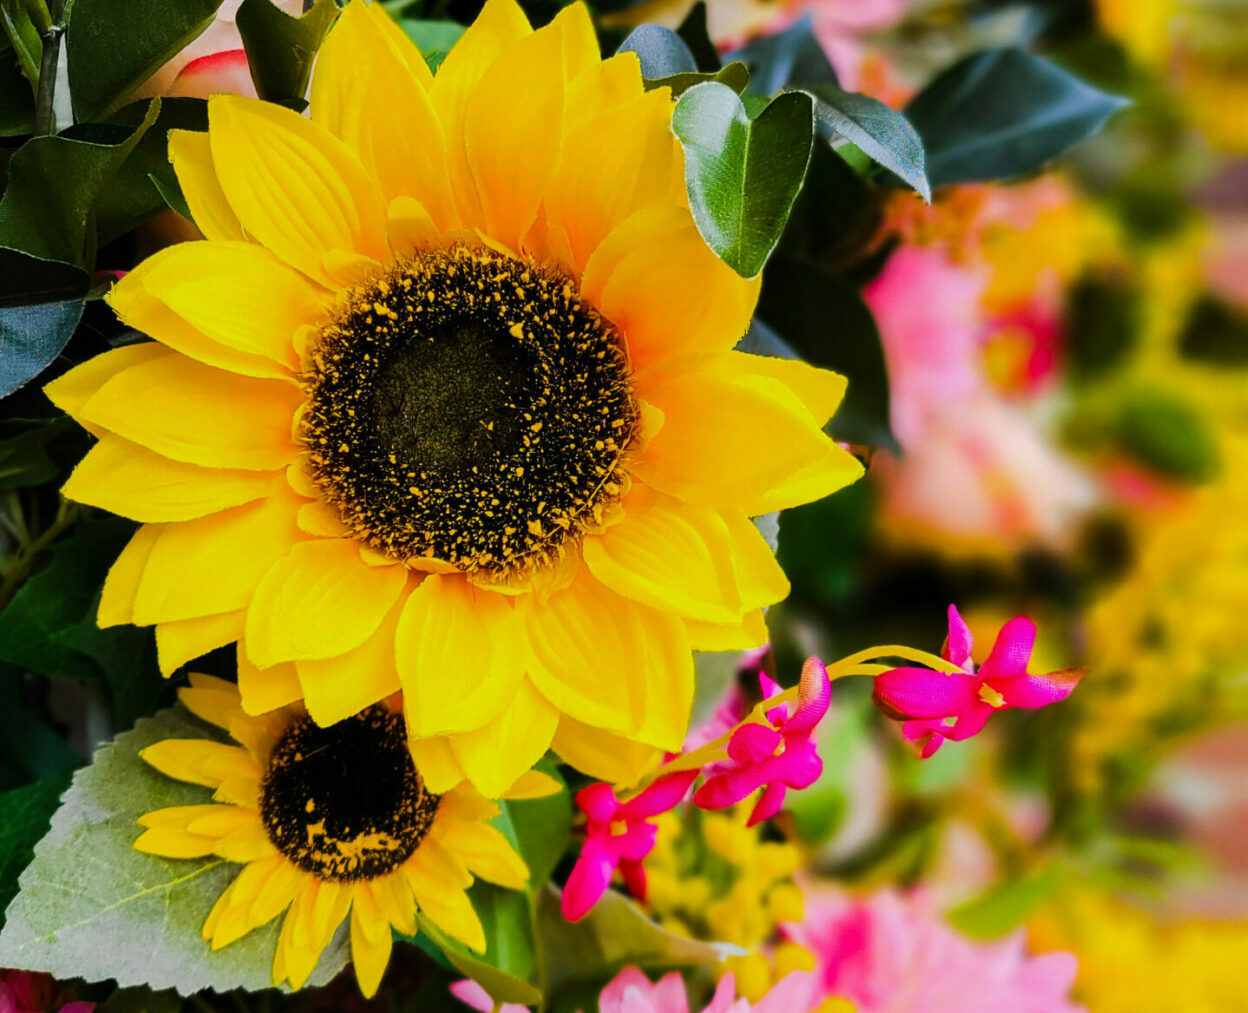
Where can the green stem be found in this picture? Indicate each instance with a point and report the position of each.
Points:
(26, 555)
(45, 120)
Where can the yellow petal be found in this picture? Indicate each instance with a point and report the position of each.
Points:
(266, 689)
(184, 641)
(438, 766)
(749, 633)
(487, 854)
(296, 955)
(733, 440)
(231, 305)
(336, 688)
(370, 950)
(278, 892)
(194, 413)
(581, 51)
(449, 909)
(409, 226)
(399, 138)
(433, 863)
(319, 601)
(296, 189)
(333, 900)
(668, 674)
(235, 921)
(759, 577)
(73, 390)
(174, 842)
(603, 86)
(127, 479)
(670, 555)
(603, 755)
(197, 761)
(533, 784)
(190, 153)
(513, 147)
(178, 815)
(495, 755)
(448, 625)
(122, 583)
(213, 564)
(820, 390)
(655, 277)
(620, 162)
(249, 843)
(223, 820)
(395, 902)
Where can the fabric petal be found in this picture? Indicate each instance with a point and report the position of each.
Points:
(924, 693)
(1011, 651)
(730, 787)
(1033, 691)
(751, 632)
(820, 390)
(959, 644)
(664, 795)
(667, 669)
(295, 188)
(753, 743)
(370, 950)
(770, 802)
(438, 766)
(127, 479)
(263, 690)
(191, 156)
(487, 854)
(184, 641)
(75, 388)
(601, 754)
(319, 601)
(971, 721)
(450, 626)
(760, 580)
(588, 881)
(495, 755)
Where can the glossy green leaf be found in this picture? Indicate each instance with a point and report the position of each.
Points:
(506, 940)
(735, 76)
(539, 828)
(661, 51)
(55, 184)
(23, 38)
(742, 174)
(24, 816)
(92, 907)
(17, 98)
(1003, 113)
(40, 308)
(878, 130)
(825, 320)
(114, 47)
(784, 58)
(280, 48)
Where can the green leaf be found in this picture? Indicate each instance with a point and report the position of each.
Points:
(836, 215)
(29, 749)
(54, 186)
(742, 174)
(280, 48)
(141, 1000)
(821, 316)
(1102, 324)
(1167, 435)
(661, 51)
(1216, 332)
(92, 907)
(114, 47)
(39, 310)
(1007, 905)
(1003, 113)
(434, 39)
(23, 39)
(24, 816)
(24, 458)
(881, 132)
(694, 32)
(505, 941)
(780, 59)
(17, 102)
(539, 828)
(735, 76)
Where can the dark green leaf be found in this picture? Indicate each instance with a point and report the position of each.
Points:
(23, 38)
(24, 459)
(881, 132)
(783, 58)
(693, 30)
(742, 174)
(661, 51)
(114, 47)
(836, 215)
(827, 322)
(1167, 435)
(502, 985)
(30, 750)
(24, 816)
(280, 48)
(17, 100)
(41, 305)
(434, 39)
(539, 828)
(171, 194)
(1216, 332)
(1003, 113)
(54, 186)
(1102, 322)
(141, 1000)
(735, 76)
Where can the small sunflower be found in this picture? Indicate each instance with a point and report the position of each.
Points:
(329, 823)
(447, 402)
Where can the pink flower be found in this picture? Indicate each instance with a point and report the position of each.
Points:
(890, 953)
(935, 706)
(631, 991)
(780, 755)
(618, 836)
(29, 992)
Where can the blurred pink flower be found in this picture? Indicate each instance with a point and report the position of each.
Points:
(631, 991)
(935, 706)
(890, 953)
(211, 63)
(30, 992)
(780, 755)
(840, 26)
(618, 835)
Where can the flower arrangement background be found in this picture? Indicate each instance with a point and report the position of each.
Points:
(621, 506)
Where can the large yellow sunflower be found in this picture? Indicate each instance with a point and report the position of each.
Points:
(447, 401)
(331, 823)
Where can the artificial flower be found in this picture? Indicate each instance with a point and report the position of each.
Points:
(891, 953)
(31, 992)
(779, 755)
(935, 706)
(618, 835)
(631, 991)
(329, 824)
(447, 401)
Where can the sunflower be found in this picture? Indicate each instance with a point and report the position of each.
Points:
(447, 402)
(330, 823)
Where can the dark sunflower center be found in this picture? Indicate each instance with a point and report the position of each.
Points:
(345, 802)
(470, 407)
